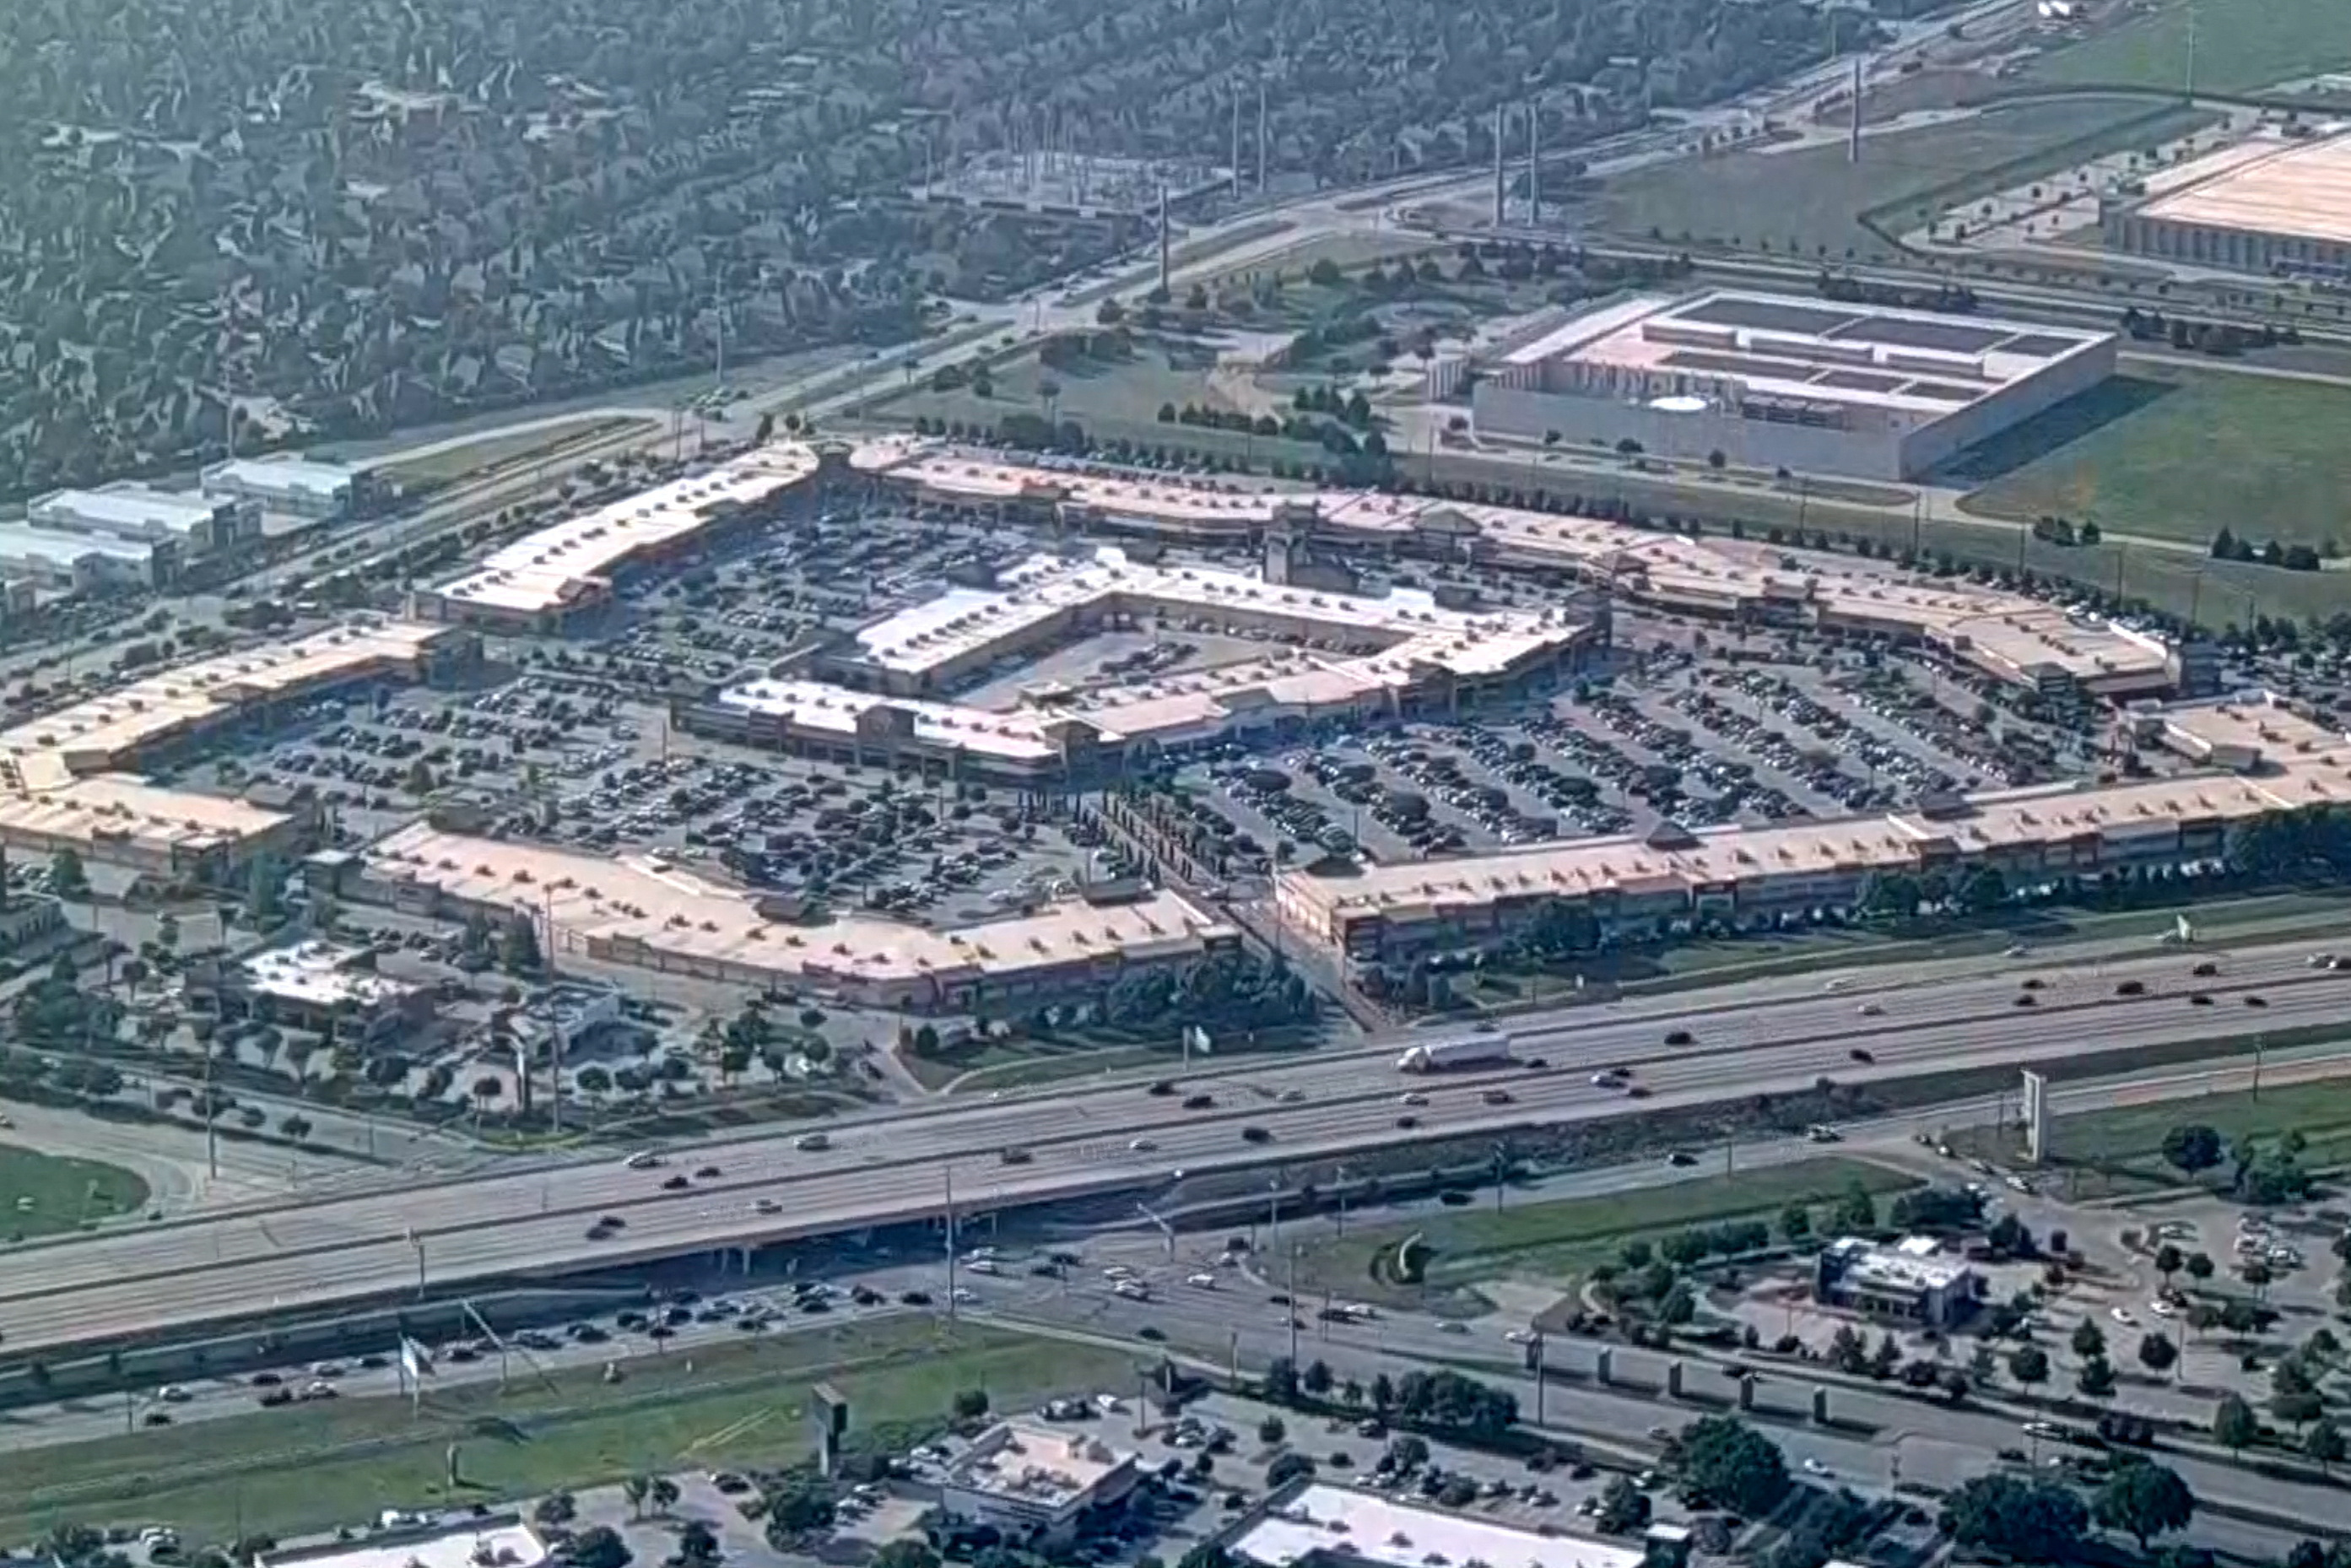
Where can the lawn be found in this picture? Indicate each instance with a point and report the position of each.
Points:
(2117, 1152)
(441, 465)
(2241, 46)
(41, 1194)
(312, 1468)
(1814, 201)
(2181, 452)
(1557, 1240)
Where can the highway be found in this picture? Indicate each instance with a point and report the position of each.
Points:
(207, 1271)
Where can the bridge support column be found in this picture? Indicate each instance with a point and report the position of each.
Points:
(1674, 1379)
(1821, 1406)
(1603, 1365)
(1747, 1391)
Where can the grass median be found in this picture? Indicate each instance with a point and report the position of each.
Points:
(2119, 1152)
(1558, 1240)
(42, 1195)
(308, 1467)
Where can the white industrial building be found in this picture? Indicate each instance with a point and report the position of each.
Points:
(1772, 381)
(196, 525)
(85, 562)
(292, 486)
(1034, 1484)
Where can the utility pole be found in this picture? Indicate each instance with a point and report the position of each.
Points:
(1163, 240)
(1237, 147)
(1853, 145)
(947, 1174)
(1534, 163)
(1260, 136)
(1500, 185)
(2191, 52)
(1293, 1306)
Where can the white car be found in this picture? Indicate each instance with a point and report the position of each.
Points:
(1415, 1098)
(2123, 1316)
(1871, 1009)
(964, 1297)
(982, 1266)
(2162, 1308)
(172, 1394)
(1451, 1325)
(1521, 1336)
(1815, 1467)
(1141, 1145)
(1201, 1282)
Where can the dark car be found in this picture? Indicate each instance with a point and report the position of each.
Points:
(1407, 1122)
(1256, 1136)
(2198, 999)
(675, 1184)
(1163, 1088)
(1862, 1054)
(1679, 1037)
(2131, 988)
(1198, 1102)
(2026, 998)
(2257, 1001)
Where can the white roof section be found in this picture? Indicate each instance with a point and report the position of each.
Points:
(283, 476)
(1036, 1464)
(21, 541)
(2263, 184)
(1914, 1263)
(1809, 349)
(509, 1544)
(557, 565)
(964, 621)
(321, 975)
(1394, 1534)
(130, 508)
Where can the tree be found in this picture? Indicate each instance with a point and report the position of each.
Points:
(2096, 1378)
(2199, 1267)
(1624, 1507)
(1730, 1463)
(1287, 1467)
(1796, 1224)
(2144, 1499)
(2234, 1424)
(2192, 1149)
(2029, 1364)
(598, 1546)
(2018, 1517)
(518, 945)
(906, 1551)
(2323, 1443)
(970, 1404)
(636, 1488)
(664, 1495)
(800, 1505)
(1270, 1431)
(2089, 1340)
(1857, 1210)
(2157, 1352)
(2168, 1259)
(67, 878)
(1318, 1378)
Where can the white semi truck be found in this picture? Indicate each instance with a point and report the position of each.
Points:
(1441, 1056)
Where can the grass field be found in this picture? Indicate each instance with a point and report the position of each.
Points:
(312, 1468)
(2180, 453)
(41, 1194)
(2118, 1152)
(1556, 1240)
(2240, 45)
(1812, 202)
(444, 464)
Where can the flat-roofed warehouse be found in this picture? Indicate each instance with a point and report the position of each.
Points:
(1775, 382)
(2272, 204)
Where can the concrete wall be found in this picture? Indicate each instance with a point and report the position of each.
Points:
(1747, 444)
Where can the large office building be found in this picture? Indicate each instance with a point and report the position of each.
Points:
(2274, 205)
(1784, 382)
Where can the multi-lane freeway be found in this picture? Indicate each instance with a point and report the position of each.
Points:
(1118, 1136)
